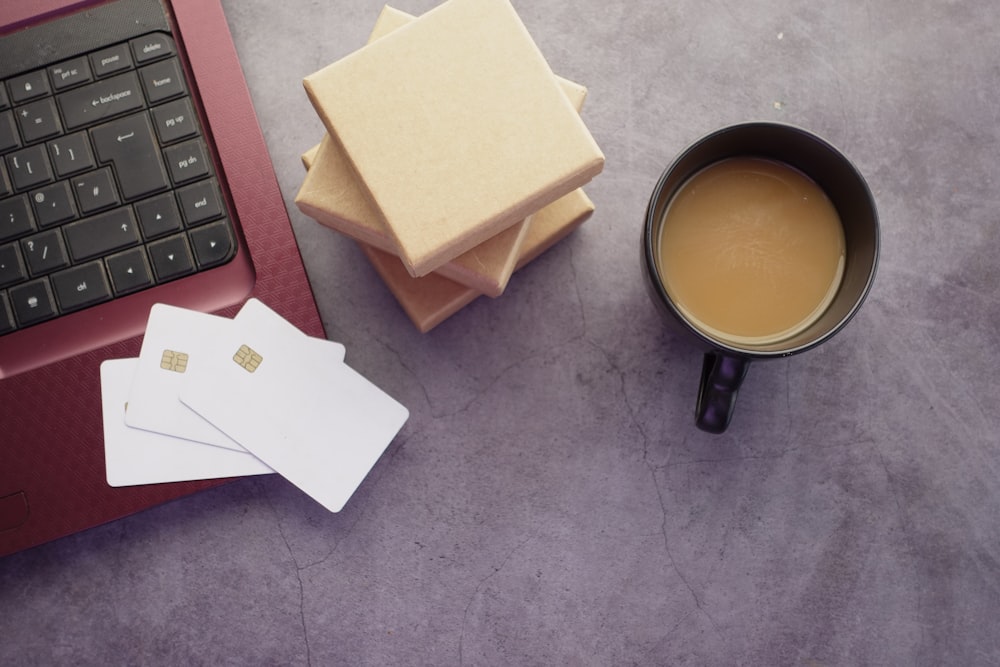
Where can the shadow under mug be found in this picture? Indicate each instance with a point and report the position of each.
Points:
(725, 363)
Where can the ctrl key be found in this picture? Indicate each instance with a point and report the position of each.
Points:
(81, 286)
(33, 302)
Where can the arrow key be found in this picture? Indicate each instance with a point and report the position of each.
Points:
(158, 216)
(171, 257)
(213, 244)
(129, 271)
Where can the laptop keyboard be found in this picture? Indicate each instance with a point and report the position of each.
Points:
(106, 183)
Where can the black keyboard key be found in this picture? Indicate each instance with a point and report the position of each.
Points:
(44, 252)
(171, 257)
(29, 168)
(158, 216)
(5, 188)
(6, 316)
(32, 302)
(29, 86)
(70, 73)
(129, 271)
(162, 81)
(200, 202)
(9, 138)
(152, 47)
(101, 234)
(81, 286)
(95, 190)
(213, 244)
(11, 267)
(15, 218)
(174, 121)
(187, 161)
(4, 101)
(101, 100)
(38, 120)
(111, 60)
(53, 204)
(129, 144)
(71, 154)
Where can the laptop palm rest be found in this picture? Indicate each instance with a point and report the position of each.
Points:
(13, 510)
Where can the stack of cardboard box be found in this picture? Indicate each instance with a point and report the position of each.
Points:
(453, 154)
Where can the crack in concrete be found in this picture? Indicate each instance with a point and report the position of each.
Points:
(659, 497)
(545, 351)
(907, 535)
(298, 578)
(404, 366)
(673, 562)
(729, 459)
(475, 594)
(667, 635)
(576, 290)
(659, 494)
(332, 551)
(475, 395)
(789, 421)
(302, 597)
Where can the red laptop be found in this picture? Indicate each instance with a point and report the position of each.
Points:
(132, 172)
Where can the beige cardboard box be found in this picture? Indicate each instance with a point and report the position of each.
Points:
(456, 128)
(331, 195)
(431, 299)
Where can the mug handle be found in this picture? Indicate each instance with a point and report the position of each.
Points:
(721, 377)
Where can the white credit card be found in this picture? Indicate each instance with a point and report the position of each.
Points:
(135, 456)
(294, 405)
(174, 343)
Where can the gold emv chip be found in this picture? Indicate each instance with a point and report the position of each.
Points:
(247, 358)
(174, 361)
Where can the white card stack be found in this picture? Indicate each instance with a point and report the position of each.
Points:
(211, 397)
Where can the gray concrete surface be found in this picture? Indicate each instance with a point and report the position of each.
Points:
(550, 501)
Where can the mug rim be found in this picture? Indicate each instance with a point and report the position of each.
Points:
(653, 273)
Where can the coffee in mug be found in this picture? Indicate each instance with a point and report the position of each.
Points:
(761, 240)
(751, 250)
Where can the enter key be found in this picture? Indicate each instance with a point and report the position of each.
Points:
(130, 145)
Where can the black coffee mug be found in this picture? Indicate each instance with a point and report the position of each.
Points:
(725, 363)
